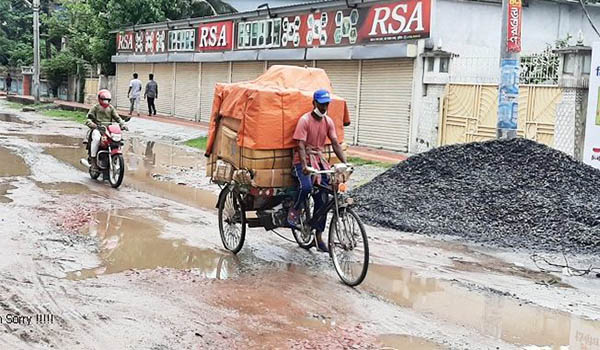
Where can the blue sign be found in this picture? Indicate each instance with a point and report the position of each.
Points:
(508, 95)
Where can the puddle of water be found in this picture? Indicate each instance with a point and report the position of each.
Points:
(12, 164)
(69, 155)
(130, 240)
(402, 342)
(142, 161)
(4, 188)
(11, 118)
(492, 315)
(64, 188)
(49, 139)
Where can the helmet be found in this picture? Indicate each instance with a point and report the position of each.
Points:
(104, 98)
(322, 96)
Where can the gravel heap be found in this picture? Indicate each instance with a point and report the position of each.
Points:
(512, 193)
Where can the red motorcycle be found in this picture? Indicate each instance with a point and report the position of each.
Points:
(109, 159)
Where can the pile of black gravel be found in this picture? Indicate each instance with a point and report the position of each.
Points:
(513, 193)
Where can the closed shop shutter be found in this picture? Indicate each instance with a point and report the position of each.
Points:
(163, 75)
(143, 70)
(290, 63)
(385, 98)
(212, 73)
(186, 90)
(244, 71)
(344, 80)
(124, 75)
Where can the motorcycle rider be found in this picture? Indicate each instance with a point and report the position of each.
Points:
(100, 116)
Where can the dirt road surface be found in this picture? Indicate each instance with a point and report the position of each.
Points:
(84, 266)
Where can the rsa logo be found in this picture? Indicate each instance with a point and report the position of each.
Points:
(400, 18)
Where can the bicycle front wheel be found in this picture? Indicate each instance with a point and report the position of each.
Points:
(348, 247)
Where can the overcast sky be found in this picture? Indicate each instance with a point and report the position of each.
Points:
(249, 5)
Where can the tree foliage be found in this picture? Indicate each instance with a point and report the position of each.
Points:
(84, 28)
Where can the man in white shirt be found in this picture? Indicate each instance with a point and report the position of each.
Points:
(134, 94)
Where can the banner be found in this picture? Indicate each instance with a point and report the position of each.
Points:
(591, 151)
(379, 23)
(515, 16)
(508, 95)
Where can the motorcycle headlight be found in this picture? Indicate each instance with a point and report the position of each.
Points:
(117, 137)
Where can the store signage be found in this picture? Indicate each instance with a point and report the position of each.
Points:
(515, 16)
(125, 41)
(215, 36)
(591, 151)
(182, 40)
(387, 22)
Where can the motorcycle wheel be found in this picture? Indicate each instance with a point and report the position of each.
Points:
(116, 171)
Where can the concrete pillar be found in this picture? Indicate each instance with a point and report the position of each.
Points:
(574, 73)
(436, 75)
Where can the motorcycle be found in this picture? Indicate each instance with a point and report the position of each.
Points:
(109, 159)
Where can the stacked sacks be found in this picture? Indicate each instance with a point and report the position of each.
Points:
(252, 124)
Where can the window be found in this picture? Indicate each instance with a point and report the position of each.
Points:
(569, 64)
(430, 62)
(444, 64)
(587, 64)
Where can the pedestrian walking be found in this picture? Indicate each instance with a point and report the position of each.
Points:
(134, 94)
(151, 94)
(8, 81)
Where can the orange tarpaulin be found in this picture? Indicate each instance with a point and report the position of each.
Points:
(269, 107)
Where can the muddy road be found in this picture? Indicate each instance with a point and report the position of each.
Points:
(84, 266)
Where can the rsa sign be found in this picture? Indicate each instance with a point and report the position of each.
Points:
(215, 36)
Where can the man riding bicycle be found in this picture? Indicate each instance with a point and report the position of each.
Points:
(311, 133)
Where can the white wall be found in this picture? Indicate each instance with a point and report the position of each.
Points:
(471, 28)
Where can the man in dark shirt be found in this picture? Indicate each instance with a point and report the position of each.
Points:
(151, 94)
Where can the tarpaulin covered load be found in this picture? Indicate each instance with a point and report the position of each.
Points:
(269, 107)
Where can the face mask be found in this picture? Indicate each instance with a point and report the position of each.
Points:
(318, 113)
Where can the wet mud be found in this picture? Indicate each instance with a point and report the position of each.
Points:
(402, 342)
(131, 240)
(493, 315)
(4, 190)
(11, 118)
(64, 188)
(12, 164)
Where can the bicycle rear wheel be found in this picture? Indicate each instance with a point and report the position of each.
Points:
(304, 235)
(348, 247)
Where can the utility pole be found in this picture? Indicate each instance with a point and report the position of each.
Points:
(36, 50)
(508, 90)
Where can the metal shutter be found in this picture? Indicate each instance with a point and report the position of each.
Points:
(344, 80)
(290, 63)
(143, 70)
(385, 97)
(163, 75)
(244, 71)
(186, 90)
(124, 75)
(212, 73)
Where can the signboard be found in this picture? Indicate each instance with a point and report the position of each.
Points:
(215, 36)
(182, 40)
(378, 23)
(515, 16)
(591, 151)
(125, 41)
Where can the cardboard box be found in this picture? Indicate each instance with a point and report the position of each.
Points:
(231, 123)
(273, 178)
(266, 159)
(228, 149)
